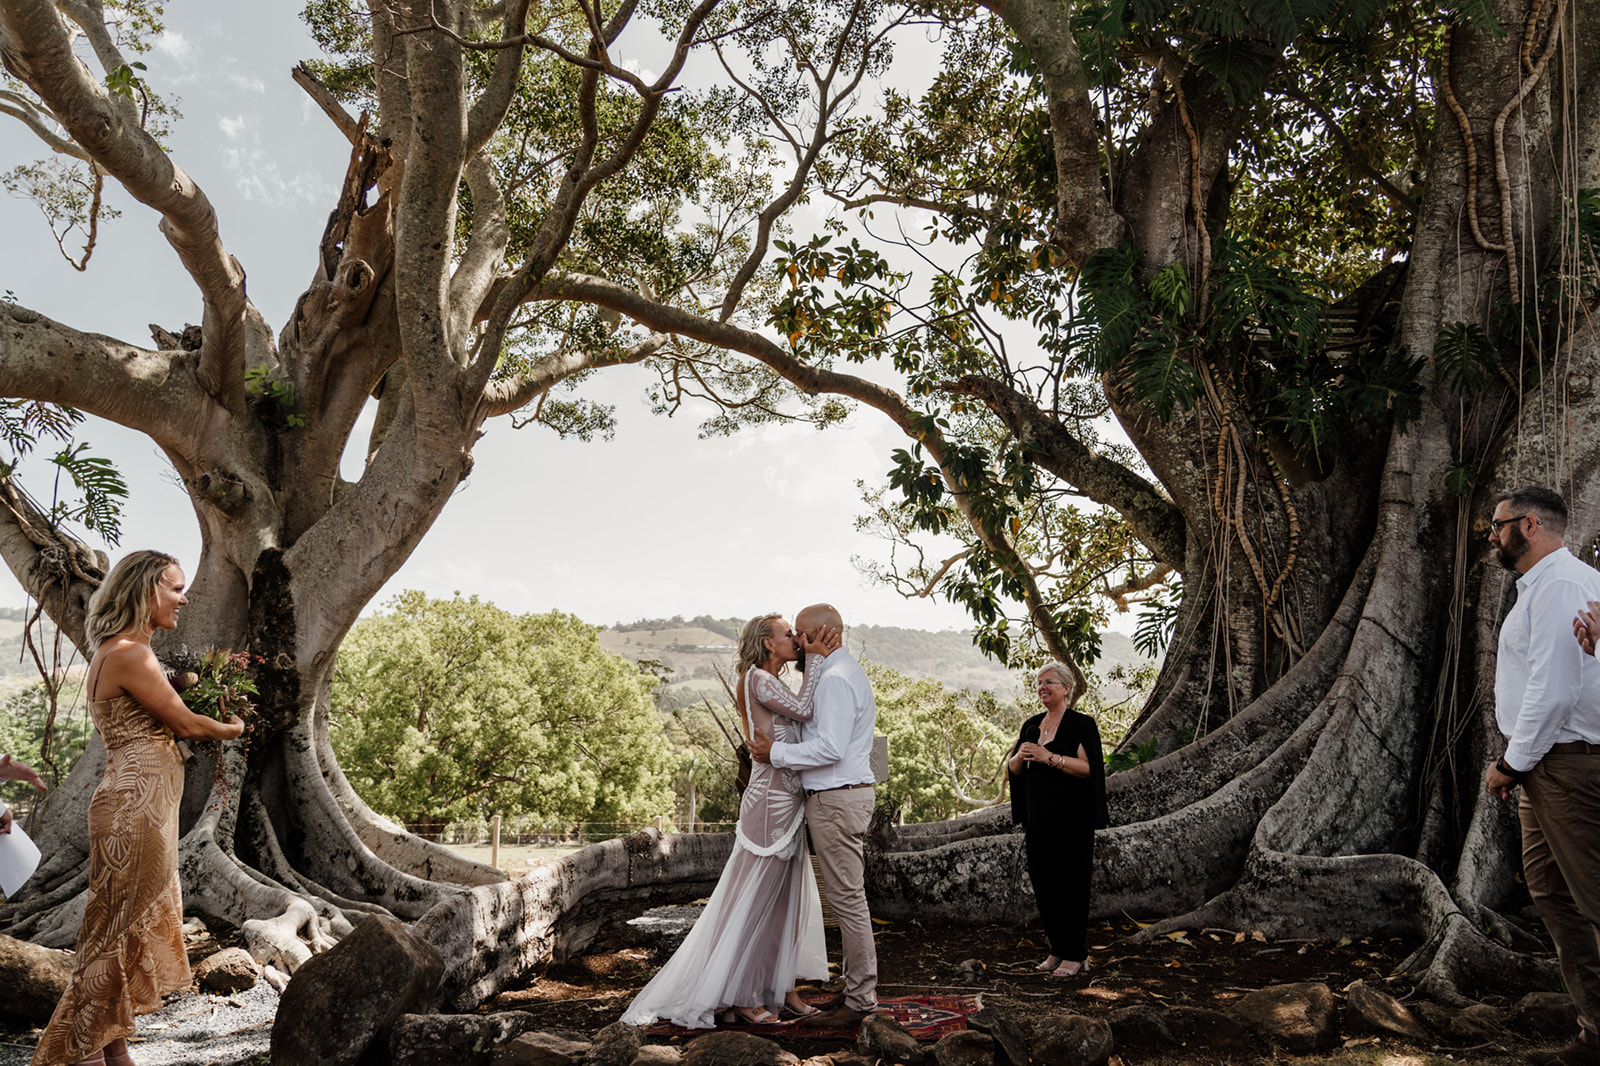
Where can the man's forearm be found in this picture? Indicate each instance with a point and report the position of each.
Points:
(806, 754)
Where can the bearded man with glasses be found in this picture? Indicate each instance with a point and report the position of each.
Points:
(1547, 703)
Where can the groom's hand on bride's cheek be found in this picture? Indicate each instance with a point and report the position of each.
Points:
(760, 746)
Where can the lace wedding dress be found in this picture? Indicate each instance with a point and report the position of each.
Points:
(762, 928)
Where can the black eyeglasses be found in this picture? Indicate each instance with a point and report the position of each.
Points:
(1496, 523)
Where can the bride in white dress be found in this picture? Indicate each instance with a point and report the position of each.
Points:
(762, 928)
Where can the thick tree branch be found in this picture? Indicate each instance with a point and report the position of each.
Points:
(1085, 220)
(490, 109)
(504, 397)
(151, 392)
(486, 249)
(425, 229)
(36, 49)
(813, 380)
(1155, 520)
(40, 122)
(350, 127)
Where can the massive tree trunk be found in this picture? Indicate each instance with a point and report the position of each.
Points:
(1324, 714)
(274, 839)
(1337, 786)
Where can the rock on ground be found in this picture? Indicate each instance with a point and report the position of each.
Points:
(1548, 1015)
(34, 979)
(228, 971)
(347, 999)
(1378, 1012)
(1011, 1049)
(1297, 1017)
(615, 1045)
(540, 1049)
(882, 1038)
(735, 1049)
(965, 1048)
(457, 1039)
(658, 1055)
(1071, 1040)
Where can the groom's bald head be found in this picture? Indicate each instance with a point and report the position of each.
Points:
(818, 614)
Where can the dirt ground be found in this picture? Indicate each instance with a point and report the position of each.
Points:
(1201, 968)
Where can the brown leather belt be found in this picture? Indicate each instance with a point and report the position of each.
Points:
(868, 784)
(1575, 747)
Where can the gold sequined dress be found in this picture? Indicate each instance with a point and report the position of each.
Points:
(130, 946)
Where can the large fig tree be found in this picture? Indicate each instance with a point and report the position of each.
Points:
(488, 143)
(1327, 264)
(1331, 268)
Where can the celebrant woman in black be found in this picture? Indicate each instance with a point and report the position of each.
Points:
(1058, 796)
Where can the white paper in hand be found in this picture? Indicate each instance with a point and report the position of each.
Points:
(19, 857)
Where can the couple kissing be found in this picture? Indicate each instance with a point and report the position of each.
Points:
(761, 932)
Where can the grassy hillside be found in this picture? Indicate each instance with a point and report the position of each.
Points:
(14, 658)
(693, 649)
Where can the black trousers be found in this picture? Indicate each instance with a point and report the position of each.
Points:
(1060, 865)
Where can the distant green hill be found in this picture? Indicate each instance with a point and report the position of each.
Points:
(14, 658)
(693, 649)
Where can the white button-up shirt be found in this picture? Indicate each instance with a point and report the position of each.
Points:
(837, 749)
(1546, 690)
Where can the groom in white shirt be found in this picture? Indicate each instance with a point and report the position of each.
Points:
(835, 764)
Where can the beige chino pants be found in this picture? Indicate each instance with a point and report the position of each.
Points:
(838, 820)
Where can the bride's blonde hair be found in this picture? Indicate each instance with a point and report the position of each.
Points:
(124, 599)
(752, 648)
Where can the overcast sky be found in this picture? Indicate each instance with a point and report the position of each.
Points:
(652, 523)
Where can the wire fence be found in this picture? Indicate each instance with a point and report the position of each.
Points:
(523, 831)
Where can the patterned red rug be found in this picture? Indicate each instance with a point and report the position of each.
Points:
(924, 1017)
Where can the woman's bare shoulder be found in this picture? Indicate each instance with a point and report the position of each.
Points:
(124, 650)
(119, 657)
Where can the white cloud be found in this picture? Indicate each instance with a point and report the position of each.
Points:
(256, 172)
(247, 82)
(175, 46)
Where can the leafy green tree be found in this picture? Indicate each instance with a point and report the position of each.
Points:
(452, 709)
(1327, 265)
(945, 748)
(25, 720)
(707, 768)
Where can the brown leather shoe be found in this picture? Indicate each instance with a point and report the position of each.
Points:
(840, 1017)
(828, 1002)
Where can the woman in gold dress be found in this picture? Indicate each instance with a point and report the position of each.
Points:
(130, 946)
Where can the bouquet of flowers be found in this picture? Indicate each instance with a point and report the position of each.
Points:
(215, 684)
